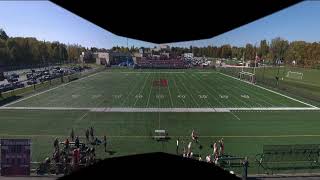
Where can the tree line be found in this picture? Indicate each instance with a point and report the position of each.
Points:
(20, 51)
(28, 51)
(304, 54)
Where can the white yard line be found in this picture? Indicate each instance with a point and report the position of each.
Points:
(271, 91)
(120, 109)
(190, 94)
(179, 92)
(169, 92)
(144, 84)
(62, 85)
(155, 72)
(151, 86)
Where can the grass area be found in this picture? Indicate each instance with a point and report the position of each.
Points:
(129, 133)
(244, 132)
(186, 88)
(308, 87)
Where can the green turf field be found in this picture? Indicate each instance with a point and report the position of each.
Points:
(185, 89)
(129, 133)
(244, 131)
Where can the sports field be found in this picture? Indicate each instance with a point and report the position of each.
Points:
(141, 89)
(128, 105)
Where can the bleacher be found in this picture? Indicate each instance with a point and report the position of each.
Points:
(289, 157)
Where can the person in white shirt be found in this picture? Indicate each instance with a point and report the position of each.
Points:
(177, 149)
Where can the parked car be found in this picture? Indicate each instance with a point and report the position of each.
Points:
(8, 87)
(29, 75)
(18, 85)
(15, 75)
(31, 82)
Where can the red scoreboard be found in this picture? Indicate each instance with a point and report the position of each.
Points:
(15, 157)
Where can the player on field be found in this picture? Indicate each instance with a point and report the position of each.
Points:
(194, 136)
(87, 134)
(221, 147)
(72, 135)
(105, 143)
(215, 150)
(177, 148)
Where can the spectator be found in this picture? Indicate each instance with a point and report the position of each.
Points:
(245, 164)
(72, 135)
(56, 144)
(200, 159)
(105, 143)
(66, 143)
(215, 150)
(208, 158)
(87, 134)
(91, 133)
(77, 142)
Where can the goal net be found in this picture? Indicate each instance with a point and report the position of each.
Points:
(294, 75)
(247, 76)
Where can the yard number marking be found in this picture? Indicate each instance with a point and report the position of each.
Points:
(245, 96)
(117, 96)
(202, 96)
(182, 96)
(138, 96)
(224, 96)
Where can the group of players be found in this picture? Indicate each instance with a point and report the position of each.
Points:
(73, 154)
(217, 147)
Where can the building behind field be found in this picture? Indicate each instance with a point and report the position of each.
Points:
(112, 58)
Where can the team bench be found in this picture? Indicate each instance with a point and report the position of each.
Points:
(160, 134)
(289, 157)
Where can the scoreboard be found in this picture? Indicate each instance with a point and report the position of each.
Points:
(15, 157)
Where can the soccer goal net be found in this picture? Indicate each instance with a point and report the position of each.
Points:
(247, 76)
(294, 75)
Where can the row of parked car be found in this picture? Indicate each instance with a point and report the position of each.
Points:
(34, 77)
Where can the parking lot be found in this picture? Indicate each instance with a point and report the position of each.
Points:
(19, 79)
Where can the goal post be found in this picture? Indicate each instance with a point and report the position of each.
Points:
(247, 76)
(294, 75)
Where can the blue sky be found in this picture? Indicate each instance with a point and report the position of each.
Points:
(46, 21)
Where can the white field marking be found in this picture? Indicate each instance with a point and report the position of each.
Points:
(169, 92)
(234, 115)
(121, 109)
(235, 95)
(272, 91)
(257, 95)
(164, 72)
(62, 85)
(189, 93)
(209, 91)
(150, 92)
(181, 96)
(136, 136)
(75, 96)
(95, 96)
(175, 85)
(224, 96)
(205, 72)
(117, 96)
(138, 96)
(203, 96)
(245, 96)
(140, 91)
(129, 93)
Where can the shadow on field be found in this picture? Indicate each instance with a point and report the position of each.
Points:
(111, 152)
(8, 100)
